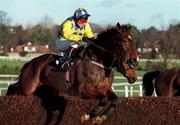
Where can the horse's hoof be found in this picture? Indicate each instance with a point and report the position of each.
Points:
(104, 117)
(85, 117)
(98, 120)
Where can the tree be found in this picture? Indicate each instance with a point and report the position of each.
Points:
(137, 36)
(46, 22)
(173, 33)
(5, 32)
(169, 41)
(41, 35)
(4, 19)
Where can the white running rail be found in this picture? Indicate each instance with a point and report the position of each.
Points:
(124, 88)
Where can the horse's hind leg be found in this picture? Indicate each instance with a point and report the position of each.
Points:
(177, 93)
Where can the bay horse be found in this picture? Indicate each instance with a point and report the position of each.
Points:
(165, 83)
(90, 76)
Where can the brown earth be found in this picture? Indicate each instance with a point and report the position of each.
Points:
(21, 110)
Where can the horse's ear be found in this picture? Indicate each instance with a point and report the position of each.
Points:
(118, 27)
(129, 27)
(118, 24)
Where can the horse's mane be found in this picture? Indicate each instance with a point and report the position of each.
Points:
(104, 35)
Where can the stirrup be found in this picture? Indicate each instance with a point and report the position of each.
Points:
(59, 61)
(62, 59)
(65, 66)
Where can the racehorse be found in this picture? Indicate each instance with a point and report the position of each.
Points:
(165, 83)
(90, 76)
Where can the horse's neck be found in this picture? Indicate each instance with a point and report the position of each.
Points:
(103, 43)
(99, 56)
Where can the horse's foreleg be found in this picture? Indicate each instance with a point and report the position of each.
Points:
(99, 109)
(101, 112)
(114, 101)
(96, 111)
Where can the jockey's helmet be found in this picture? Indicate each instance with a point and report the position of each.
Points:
(81, 13)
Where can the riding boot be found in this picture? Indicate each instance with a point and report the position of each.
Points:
(65, 62)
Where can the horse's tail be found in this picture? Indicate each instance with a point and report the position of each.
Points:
(148, 82)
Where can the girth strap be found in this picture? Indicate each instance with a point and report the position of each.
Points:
(96, 63)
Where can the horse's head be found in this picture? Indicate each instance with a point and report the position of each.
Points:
(126, 54)
(120, 45)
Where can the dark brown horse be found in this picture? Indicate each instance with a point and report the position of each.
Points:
(165, 83)
(90, 76)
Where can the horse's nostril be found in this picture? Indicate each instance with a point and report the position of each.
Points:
(131, 80)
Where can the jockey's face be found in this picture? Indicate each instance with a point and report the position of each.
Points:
(81, 21)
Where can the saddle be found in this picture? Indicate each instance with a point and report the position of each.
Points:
(64, 63)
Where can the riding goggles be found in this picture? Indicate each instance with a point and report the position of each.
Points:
(82, 20)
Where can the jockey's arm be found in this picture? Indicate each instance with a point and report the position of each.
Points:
(68, 32)
(88, 31)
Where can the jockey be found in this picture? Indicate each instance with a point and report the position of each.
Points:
(73, 33)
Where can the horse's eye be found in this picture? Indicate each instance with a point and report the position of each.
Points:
(129, 37)
(123, 40)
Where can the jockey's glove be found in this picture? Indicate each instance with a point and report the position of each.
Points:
(86, 39)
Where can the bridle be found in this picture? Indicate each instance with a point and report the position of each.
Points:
(103, 49)
(128, 59)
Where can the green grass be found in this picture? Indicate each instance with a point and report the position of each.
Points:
(12, 64)
(11, 67)
(3, 92)
(123, 94)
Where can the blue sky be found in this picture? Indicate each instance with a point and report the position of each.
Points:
(141, 13)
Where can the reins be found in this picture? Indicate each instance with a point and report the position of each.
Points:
(101, 48)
